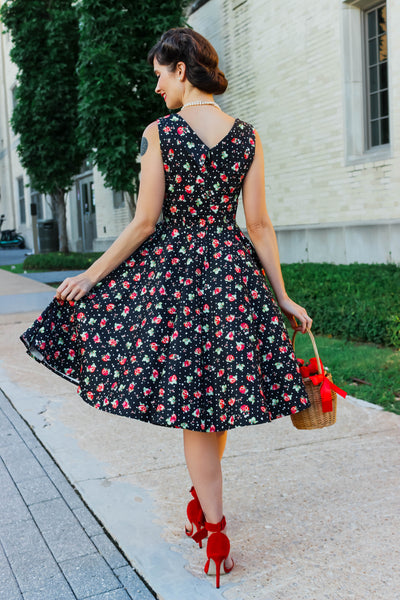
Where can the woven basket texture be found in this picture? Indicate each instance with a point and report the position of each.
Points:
(313, 417)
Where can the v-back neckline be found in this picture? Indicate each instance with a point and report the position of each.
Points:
(209, 148)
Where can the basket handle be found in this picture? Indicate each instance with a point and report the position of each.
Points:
(314, 346)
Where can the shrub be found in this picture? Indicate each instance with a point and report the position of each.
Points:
(58, 261)
(355, 302)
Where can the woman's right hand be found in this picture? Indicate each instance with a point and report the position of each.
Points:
(294, 311)
(74, 288)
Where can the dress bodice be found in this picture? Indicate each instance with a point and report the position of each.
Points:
(202, 184)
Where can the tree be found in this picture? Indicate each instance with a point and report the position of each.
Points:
(45, 37)
(116, 85)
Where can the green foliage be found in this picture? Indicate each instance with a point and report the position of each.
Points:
(45, 37)
(354, 302)
(58, 261)
(84, 88)
(116, 85)
(18, 268)
(45, 49)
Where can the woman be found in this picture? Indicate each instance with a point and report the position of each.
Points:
(174, 324)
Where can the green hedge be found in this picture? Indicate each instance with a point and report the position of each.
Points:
(355, 302)
(57, 261)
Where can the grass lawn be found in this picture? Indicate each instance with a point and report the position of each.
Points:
(376, 365)
(13, 268)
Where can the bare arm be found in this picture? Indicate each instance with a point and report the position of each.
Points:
(263, 238)
(148, 209)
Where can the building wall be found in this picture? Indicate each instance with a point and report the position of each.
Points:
(10, 166)
(110, 220)
(6, 181)
(285, 64)
(294, 72)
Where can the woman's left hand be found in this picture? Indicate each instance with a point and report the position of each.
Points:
(74, 288)
(294, 311)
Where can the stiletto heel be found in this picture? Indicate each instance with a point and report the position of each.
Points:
(196, 517)
(218, 547)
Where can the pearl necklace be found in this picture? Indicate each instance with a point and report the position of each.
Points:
(198, 102)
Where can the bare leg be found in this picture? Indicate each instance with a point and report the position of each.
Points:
(202, 453)
(202, 459)
(221, 437)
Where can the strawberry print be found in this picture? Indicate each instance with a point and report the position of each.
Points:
(185, 333)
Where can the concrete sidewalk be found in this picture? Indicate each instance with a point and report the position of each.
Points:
(51, 276)
(312, 515)
(12, 300)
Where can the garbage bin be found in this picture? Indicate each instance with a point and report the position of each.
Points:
(48, 236)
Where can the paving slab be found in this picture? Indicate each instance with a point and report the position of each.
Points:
(89, 575)
(50, 550)
(312, 515)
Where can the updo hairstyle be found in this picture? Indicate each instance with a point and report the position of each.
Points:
(201, 60)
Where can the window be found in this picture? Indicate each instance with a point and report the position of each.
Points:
(196, 5)
(88, 198)
(366, 81)
(37, 199)
(21, 200)
(87, 165)
(377, 77)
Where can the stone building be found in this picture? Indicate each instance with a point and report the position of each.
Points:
(321, 83)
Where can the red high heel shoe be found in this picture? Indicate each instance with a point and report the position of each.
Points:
(218, 547)
(196, 517)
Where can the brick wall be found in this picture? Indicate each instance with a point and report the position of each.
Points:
(286, 64)
(285, 67)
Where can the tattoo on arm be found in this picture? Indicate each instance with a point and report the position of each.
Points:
(144, 144)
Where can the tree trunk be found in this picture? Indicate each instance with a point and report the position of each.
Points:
(132, 203)
(58, 202)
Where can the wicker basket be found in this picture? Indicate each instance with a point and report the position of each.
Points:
(313, 417)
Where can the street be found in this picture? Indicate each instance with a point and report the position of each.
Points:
(12, 256)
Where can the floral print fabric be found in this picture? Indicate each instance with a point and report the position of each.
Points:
(184, 333)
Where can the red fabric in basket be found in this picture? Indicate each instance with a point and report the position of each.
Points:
(311, 370)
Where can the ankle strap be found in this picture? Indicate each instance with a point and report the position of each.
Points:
(213, 527)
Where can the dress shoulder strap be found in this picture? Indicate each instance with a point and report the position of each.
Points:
(166, 130)
(246, 132)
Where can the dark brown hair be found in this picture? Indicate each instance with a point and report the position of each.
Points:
(201, 60)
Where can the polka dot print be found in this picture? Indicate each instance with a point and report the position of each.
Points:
(185, 333)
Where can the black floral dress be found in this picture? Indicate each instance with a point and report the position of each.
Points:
(184, 333)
